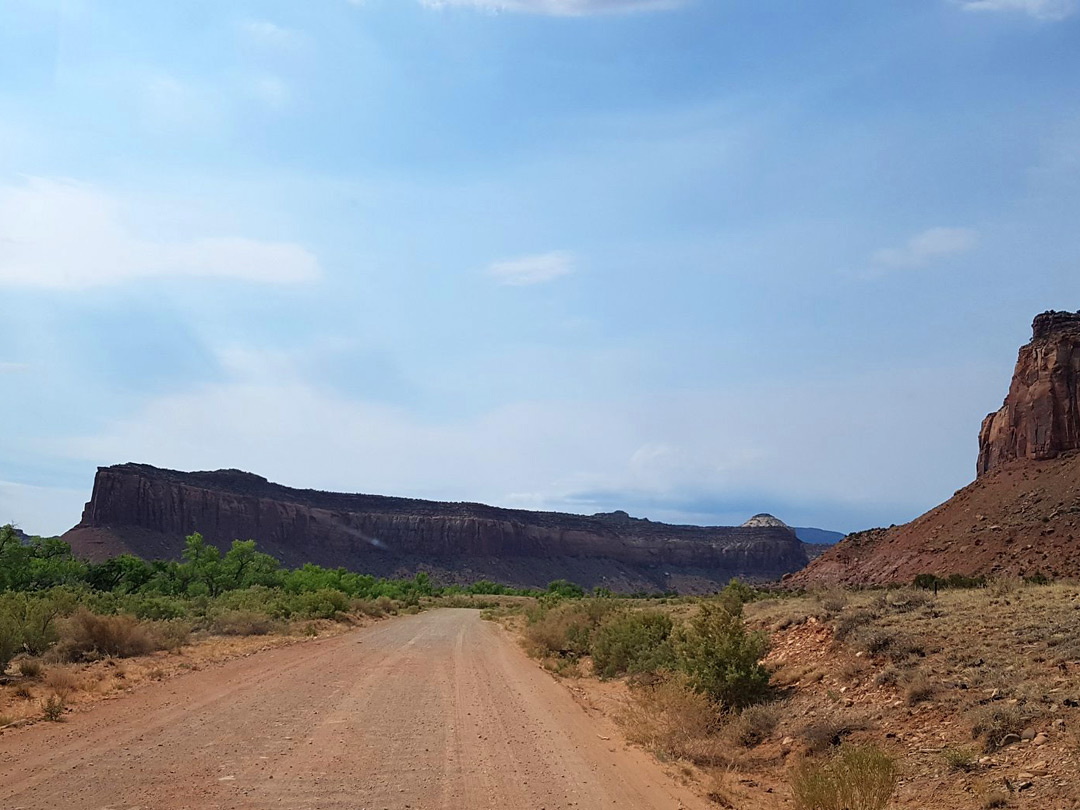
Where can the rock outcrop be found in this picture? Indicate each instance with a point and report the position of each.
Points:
(1041, 415)
(147, 511)
(1021, 516)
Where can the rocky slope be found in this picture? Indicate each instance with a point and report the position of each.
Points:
(1021, 516)
(147, 511)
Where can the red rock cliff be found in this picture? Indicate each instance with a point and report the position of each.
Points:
(1041, 415)
(148, 511)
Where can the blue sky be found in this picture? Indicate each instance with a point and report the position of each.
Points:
(694, 259)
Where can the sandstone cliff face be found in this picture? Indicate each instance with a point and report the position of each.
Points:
(1021, 515)
(148, 511)
(1041, 415)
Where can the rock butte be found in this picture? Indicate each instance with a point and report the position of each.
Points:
(1040, 418)
(1021, 515)
(147, 511)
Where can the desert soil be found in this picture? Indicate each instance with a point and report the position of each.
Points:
(437, 710)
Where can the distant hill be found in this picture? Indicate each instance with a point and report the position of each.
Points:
(818, 536)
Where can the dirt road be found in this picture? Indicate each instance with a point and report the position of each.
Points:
(430, 712)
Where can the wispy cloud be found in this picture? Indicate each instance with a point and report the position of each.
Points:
(270, 90)
(272, 35)
(529, 270)
(63, 235)
(1039, 9)
(562, 8)
(12, 368)
(925, 247)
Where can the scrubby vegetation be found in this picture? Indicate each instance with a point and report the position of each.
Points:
(53, 603)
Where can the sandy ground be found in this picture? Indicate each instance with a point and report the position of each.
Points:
(437, 710)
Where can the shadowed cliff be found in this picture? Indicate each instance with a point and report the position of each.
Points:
(147, 511)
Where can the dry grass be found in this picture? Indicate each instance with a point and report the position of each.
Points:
(994, 724)
(242, 623)
(30, 668)
(673, 720)
(85, 635)
(62, 683)
(856, 778)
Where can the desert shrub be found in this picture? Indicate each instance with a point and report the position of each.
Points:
(241, 623)
(157, 608)
(887, 677)
(171, 634)
(737, 592)
(754, 724)
(852, 620)
(670, 717)
(566, 628)
(955, 581)
(833, 600)
(632, 643)
(30, 668)
(856, 778)
(902, 600)
(367, 607)
(830, 731)
(918, 688)
(122, 636)
(53, 708)
(565, 589)
(959, 759)
(993, 723)
(721, 658)
(324, 603)
(874, 640)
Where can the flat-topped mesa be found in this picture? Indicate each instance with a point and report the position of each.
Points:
(147, 511)
(1040, 418)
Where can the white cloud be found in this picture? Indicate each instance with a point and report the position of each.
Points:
(63, 235)
(1039, 9)
(924, 247)
(562, 8)
(529, 270)
(13, 368)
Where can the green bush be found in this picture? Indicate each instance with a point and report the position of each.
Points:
(856, 778)
(630, 643)
(325, 603)
(721, 658)
(28, 621)
(566, 628)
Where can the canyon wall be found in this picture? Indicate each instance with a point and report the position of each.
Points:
(1040, 418)
(148, 511)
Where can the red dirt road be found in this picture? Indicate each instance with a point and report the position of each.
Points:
(430, 712)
